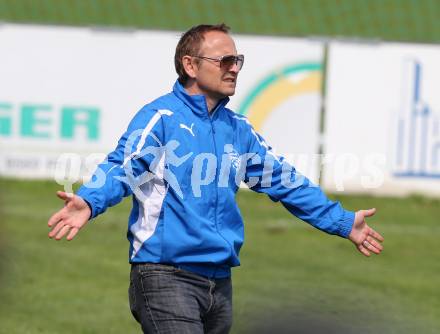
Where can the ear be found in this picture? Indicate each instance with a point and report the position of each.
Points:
(189, 66)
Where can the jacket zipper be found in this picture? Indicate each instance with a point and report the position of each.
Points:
(216, 180)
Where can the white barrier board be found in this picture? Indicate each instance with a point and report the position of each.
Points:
(383, 118)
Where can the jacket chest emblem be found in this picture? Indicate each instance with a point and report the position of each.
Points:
(190, 129)
(234, 157)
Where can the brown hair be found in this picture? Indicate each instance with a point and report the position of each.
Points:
(189, 44)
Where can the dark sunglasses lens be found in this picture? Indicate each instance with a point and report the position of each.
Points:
(240, 61)
(228, 61)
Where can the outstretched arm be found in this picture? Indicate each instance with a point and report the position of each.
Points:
(363, 236)
(114, 178)
(274, 176)
(70, 219)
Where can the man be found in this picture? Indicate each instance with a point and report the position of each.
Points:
(183, 158)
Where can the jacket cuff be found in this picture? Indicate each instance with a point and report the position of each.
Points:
(346, 224)
(83, 195)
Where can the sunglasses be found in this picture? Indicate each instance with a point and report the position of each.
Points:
(226, 62)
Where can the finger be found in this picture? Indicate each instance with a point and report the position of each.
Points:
(64, 195)
(376, 235)
(72, 233)
(55, 218)
(369, 212)
(62, 232)
(368, 245)
(363, 250)
(375, 243)
(56, 228)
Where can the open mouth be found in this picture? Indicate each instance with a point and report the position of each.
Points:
(230, 80)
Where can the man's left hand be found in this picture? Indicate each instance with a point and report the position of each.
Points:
(363, 236)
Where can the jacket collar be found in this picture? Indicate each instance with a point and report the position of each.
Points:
(197, 103)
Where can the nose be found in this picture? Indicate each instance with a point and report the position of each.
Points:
(234, 68)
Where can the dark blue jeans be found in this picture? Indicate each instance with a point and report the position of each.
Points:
(165, 299)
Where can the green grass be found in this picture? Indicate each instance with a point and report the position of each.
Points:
(401, 20)
(290, 275)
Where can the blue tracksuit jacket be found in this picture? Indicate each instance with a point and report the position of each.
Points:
(183, 168)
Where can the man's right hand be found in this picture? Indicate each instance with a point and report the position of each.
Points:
(70, 219)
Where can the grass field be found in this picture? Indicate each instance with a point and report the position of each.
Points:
(291, 276)
(398, 20)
